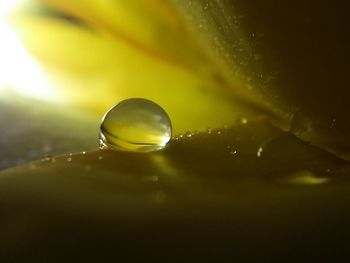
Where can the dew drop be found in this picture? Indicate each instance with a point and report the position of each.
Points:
(233, 152)
(242, 121)
(259, 152)
(45, 159)
(188, 134)
(135, 125)
(69, 159)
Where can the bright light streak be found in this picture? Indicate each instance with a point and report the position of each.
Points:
(18, 70)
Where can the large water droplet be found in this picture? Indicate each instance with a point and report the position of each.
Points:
(135, 125)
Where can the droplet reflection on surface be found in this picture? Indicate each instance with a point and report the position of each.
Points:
(135, 125)
(304, 177)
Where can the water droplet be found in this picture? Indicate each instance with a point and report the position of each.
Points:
(46, 159)
(242, 121)
(218, 132)
(233, 152)
(188, 134)
(100, 158)
(209, 130)
(259, 152)
(69, 159)
(135, 125)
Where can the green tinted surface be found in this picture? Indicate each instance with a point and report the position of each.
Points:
(192, 199)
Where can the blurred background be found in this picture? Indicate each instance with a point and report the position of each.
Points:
(207, 63)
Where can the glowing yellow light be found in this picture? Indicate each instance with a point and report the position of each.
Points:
(6, 6)
(18, 70)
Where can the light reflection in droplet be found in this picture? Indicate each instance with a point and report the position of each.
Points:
(135, 125)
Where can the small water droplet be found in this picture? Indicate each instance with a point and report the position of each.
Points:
(135, 125)
(259, 152)
(83, 153)
(218, 132)
(225, 126)
(100, 158)
(69, 159)
(233, 152)
(188, 134)
(46, 159)
(181, 136)
(209, 130)
(242, 121)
